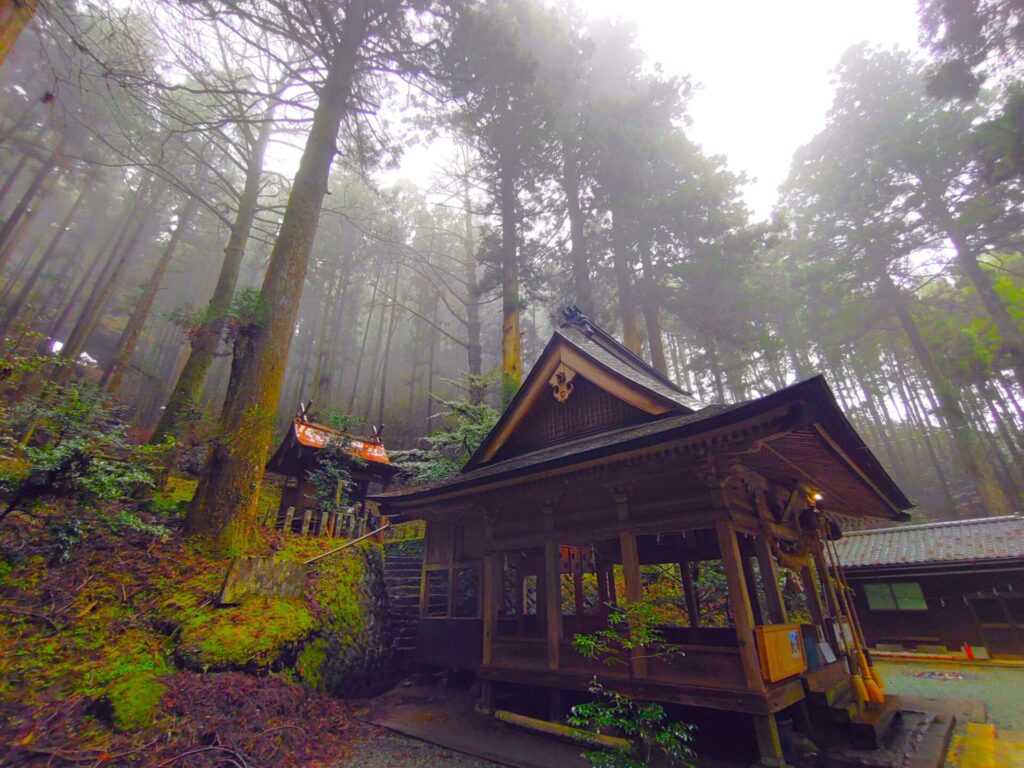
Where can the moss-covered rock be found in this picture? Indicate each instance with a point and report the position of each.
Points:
(135, 700)
(260, 633)
(350, 653)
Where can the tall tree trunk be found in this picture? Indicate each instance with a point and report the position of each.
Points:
(13, 176)
(19, 269)
(716, 370)
(14, 16)
(14, 309)
(915, 408)
(994, 451)
(101, 293)
(322, 338)
(652, 316)
(965, 446)
(430, 375)
(114, 373)
(966, 258)
(61, 320)
(875, 415)
(371, 389)
(622, 264)
(223, 510)
(307, 337)
(392, 324)
(362, 345)
(22, 208)
(474, 348)
(582, 285)
(204, 341)
(324, 384)
(511, 341)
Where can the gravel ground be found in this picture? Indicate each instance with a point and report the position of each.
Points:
(1001, 688)
(380, 748)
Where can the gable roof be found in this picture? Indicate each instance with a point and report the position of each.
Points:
(593, 353)
(304, 438)
(825, 439)
(958, 541)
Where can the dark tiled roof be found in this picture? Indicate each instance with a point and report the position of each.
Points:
(988, 538)
(617, 358)
(535, 460)
(813, 392)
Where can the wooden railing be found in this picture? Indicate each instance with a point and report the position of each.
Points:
(346, 545)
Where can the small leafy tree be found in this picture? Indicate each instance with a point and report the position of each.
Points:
(632, 627)
(449, 448)
(80, 454)
(645, 725)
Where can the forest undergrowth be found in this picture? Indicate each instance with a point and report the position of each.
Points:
(112, 653)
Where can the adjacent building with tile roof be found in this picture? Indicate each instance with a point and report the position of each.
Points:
(940, 586)
(957, 541)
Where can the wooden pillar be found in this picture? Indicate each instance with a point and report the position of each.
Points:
(822, 570)
(739, 602)
(813, 596)
(307, 516)
(493, 566)
(322, 530)
(770, 577)
(601, 571)
(288, 517)
(768, 743)
(552, 590)
(690, 593)
(492, 580)
(751, 580)
(424, 586)
(630, 572)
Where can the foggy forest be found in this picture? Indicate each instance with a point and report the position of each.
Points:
(206, 229)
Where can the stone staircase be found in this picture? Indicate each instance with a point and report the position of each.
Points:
(402, 577)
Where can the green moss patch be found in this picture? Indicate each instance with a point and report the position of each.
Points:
(268, 503)
(258, 634)
(174, 497)
(351, 652)
(293, 548)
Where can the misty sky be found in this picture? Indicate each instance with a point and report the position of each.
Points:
(764, 66)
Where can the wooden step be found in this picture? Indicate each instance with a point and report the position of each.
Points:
(869, 728)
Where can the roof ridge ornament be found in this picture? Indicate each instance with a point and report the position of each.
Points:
(572, 316)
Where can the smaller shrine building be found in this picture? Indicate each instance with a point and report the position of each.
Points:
(369, 470)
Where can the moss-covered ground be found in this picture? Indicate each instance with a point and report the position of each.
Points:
(95, 648)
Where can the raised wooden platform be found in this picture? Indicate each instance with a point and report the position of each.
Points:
(777, 697)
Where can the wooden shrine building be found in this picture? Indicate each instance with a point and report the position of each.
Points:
(297, 456)
(602, 482)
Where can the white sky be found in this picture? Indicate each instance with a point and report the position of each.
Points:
(764, 67)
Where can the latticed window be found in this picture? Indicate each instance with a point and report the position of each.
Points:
(897, 596)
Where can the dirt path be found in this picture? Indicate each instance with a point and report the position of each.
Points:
(379, 748)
